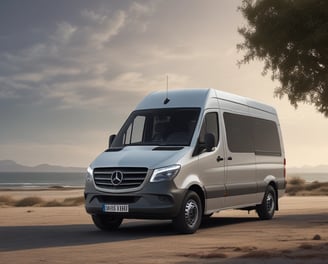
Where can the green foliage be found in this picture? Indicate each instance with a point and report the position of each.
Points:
(291, 37)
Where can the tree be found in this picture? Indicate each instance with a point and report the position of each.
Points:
(291, 37)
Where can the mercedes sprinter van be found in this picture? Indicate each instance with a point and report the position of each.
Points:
(186, 156)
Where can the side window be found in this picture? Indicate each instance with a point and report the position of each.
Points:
(266, 137)
(247, 134)
(210, 125)
(239, 133)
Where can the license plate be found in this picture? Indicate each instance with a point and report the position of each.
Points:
(116, 208)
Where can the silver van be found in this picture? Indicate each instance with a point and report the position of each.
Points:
(186, 155)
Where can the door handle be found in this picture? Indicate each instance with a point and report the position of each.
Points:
(219, 158)
(229, 158)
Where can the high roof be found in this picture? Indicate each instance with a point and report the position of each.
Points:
(197, 97)
(177, 98)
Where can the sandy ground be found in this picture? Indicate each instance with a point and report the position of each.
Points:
(67, 235)
(46, 194)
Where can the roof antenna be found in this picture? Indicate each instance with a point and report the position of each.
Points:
(167, 90)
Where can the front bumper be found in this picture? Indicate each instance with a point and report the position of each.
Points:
(160, 200)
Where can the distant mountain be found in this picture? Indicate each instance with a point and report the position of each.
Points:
(12, 166)
(308, 169)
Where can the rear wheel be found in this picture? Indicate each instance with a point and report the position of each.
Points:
(106, 222)
(266, 209)
(190, 216)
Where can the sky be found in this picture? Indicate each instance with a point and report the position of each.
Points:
(72, 71)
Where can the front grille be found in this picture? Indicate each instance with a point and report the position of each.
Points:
(119, 178)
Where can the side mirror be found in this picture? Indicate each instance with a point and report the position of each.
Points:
(209, 142)
(111, 139)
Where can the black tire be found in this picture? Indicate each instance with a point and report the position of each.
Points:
(267, 208)
(190, 215)
(106, 222)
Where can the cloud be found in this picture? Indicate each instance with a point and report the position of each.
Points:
(93, 16)
(86, 64)
(89, 65)
(110, 28)
(74, 64)
(131, 80)
(64, 32)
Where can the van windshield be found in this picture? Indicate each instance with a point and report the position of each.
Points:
(160, 127)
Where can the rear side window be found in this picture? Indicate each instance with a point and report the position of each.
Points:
(247, 134)
(266, 137)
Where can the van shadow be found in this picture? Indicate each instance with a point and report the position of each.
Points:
(32, 237)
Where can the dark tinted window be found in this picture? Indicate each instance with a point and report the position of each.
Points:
(239, 133)
(249, 134)
(266, 137)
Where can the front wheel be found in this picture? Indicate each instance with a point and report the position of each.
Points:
(266, 209)
(106, 222)
(190, 215)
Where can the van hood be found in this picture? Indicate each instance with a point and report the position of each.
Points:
(140, 156)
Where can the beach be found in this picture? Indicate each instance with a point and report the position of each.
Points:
(297, 234)
(46, 193)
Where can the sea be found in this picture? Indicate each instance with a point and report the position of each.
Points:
(35, 180)
(26, 180)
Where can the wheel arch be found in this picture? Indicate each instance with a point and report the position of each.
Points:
(200, 192)
(275, 187)
(272, 180)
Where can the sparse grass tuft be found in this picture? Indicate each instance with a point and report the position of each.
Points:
(29, 201)
(75, 201)
(299, 187)
(37, 201)
(6, 200)
(53, 203)
(296, 181)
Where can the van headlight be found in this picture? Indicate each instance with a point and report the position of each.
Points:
(165, 174)
(89, 174)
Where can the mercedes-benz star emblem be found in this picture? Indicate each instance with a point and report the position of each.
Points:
(116, 178)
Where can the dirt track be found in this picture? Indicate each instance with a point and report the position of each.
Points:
(66, 235)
